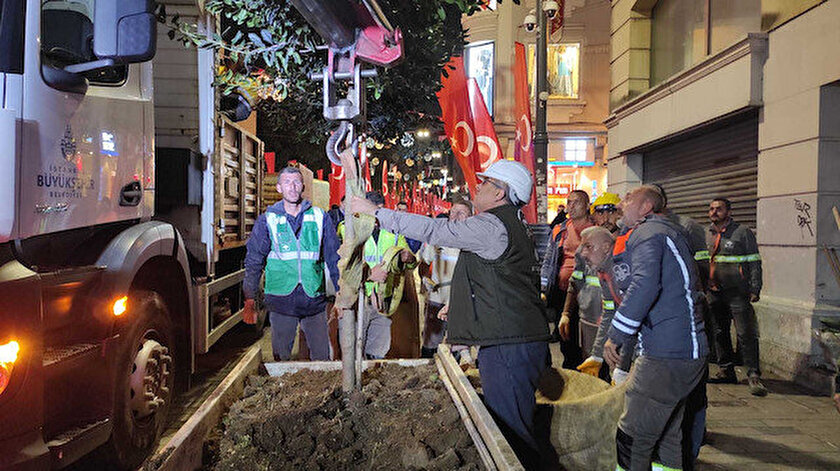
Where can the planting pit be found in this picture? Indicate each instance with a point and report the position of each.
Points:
(404, 418)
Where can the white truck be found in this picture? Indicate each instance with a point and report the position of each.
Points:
(126, 198)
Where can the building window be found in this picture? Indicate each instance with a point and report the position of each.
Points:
(731, 21)
(683, 32)
(563, 70)
(479, 64)
(574, 150)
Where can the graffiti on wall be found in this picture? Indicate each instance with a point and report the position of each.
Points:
(803, 216)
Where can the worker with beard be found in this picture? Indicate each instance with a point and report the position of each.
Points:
(296, 244)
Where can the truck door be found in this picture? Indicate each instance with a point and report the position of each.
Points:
(88, 147)
(11, 96)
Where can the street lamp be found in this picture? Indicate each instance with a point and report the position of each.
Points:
(538, 22)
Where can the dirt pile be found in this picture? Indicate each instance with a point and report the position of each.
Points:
(403, 419)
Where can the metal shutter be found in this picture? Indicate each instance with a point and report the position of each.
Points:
(718, 160)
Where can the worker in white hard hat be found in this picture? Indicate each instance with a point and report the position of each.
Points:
(494, 298)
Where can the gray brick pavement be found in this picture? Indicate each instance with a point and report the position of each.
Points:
(789, 429)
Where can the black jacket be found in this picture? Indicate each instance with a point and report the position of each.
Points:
(734, 261)
(498, 301)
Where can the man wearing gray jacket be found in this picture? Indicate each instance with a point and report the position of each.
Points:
(655, 269)
(494, 299)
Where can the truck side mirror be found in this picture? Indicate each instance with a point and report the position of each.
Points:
(124, 32)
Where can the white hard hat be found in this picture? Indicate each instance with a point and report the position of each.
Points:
(517, 177)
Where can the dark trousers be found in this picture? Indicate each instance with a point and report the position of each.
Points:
(694, 422)
(284, 330)
(434, 329)
(573, 355)
(509, 377)
(726, 306)
(650, 430)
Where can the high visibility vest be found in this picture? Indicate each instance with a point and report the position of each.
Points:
(295, 260)
(374, 250)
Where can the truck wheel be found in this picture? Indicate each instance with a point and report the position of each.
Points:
(144, 382)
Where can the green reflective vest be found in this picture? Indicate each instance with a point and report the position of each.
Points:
(295, 260)
(375, 249)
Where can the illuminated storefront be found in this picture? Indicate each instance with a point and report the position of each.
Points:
(573, 165)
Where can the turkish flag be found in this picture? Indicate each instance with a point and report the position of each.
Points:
(336, 184)
(385, 179)
(523, 142)
(368, 185)
(269, 162)
(486, 141)
(457, 119)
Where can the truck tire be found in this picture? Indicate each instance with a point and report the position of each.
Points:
(145, 378)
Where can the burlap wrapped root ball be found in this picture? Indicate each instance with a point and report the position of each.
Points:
(583, 412)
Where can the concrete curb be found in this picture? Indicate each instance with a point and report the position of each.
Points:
(184, 450)
(503, 455)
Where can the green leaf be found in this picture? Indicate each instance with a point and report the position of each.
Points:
(256, 40)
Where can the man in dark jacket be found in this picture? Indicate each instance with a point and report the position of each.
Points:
(494, 298)
(656, 273)
(296, 244)
(556, 271)
(734, 283)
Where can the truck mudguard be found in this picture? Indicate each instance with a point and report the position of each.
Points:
(135, 246)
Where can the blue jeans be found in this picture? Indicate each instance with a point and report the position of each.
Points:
(509, 377)
(284, 330)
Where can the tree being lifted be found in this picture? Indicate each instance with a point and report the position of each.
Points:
(274, 53)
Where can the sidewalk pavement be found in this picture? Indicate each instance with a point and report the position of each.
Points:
(789, 429)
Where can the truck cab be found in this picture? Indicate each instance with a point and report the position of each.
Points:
(122, 227)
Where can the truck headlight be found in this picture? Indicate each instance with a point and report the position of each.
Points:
(8, 357)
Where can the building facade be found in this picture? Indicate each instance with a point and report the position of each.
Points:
(578, 80)
(741, 100)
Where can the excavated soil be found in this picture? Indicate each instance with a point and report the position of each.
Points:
(403, 419)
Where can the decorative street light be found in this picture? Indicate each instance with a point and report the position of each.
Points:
(538, 22)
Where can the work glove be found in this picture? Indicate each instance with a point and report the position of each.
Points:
(249, 313)
(619, 376)
(565, 326)
(591, 366)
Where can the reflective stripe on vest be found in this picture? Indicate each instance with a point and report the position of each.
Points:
(702, 255)
(593, 281)
(609, 305)
(374, 250)
(294, 260)
(577, 275)
(754, 257)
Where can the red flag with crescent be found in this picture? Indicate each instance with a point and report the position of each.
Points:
(487, 145)
(385, 179)
(368, 185)
(336, 184)
(523, 142)
(457, 119)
